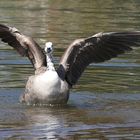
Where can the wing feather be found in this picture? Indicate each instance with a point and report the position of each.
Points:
(24, 45)
(95, 49)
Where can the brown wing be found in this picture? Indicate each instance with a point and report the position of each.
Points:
(95, 49)
(24, 45)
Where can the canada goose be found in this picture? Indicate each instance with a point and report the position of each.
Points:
(50, 85)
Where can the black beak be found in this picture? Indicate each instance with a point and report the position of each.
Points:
(49, 50)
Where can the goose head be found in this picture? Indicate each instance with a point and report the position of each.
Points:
(48, 48)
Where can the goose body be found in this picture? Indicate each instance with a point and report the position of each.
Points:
(44, 88)
(47, 86)
(51, 86)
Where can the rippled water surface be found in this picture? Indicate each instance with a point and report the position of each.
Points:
(105, 104)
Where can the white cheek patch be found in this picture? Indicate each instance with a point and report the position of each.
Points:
(48, 46)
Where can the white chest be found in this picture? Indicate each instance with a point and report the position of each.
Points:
(47, 83)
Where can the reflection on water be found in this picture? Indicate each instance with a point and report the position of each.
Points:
(105, 102)
(91, 116)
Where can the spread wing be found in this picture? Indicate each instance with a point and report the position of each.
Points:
(97, 48)
(24, 45)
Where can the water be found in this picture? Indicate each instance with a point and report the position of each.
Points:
(105, 102)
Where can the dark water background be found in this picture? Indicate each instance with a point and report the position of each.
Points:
(105, 104)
